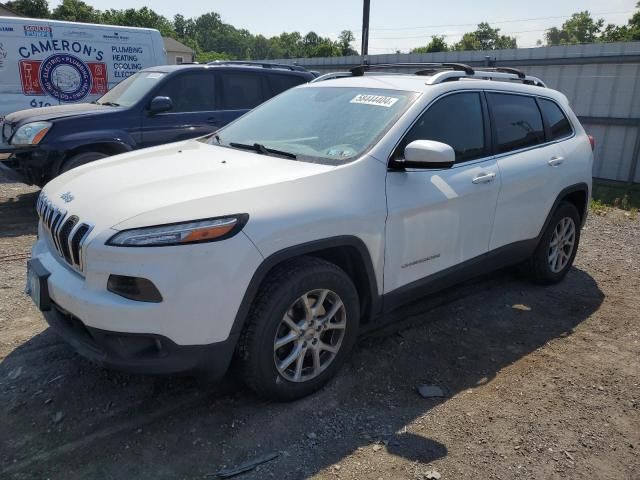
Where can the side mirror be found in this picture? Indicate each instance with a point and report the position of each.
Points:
(428, 154)
(160, 104)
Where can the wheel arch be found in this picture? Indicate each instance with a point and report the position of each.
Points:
(347, 252)
(577, 195)
(108, 147)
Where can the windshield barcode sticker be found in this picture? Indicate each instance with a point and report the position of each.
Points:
(378, 100)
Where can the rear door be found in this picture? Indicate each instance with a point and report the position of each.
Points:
(238, 91)
(528, 164)
(440, 218)
(194, 109)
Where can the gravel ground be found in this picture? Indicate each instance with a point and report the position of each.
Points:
(539, 382)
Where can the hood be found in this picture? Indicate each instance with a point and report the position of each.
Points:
(52, 113)
(172, 183)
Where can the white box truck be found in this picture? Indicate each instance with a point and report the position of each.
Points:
(47, 62)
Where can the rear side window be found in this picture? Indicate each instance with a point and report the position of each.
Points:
(280, 83)
(456, 120)
(558, 123)
(516, 120)
(190, 92)
(241, 90)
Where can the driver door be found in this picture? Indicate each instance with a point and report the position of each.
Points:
(194, 109)
(440, 218)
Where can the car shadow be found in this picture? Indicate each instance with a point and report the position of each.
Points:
(116, 425)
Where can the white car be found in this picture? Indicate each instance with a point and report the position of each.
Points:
(308, 219)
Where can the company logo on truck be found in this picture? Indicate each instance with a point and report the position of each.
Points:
(38, 31)
(64, 77)
(5, 29)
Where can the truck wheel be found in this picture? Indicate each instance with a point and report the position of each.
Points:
(300, 329)
(81, 159)
(557, 249)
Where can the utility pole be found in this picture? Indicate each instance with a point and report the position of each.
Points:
(365, 31)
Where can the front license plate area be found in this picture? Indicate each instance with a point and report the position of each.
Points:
(37, 286)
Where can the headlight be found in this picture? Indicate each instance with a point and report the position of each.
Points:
(198, 231)
(31, 133)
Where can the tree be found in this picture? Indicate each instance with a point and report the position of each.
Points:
(580, 28)
(485, 38)
(437, 44)
(143, 17)
(30, 8)
(344, 42)
(76, 11)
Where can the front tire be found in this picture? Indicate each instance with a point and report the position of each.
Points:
(300, 329)
(558, 246)
(81, 159)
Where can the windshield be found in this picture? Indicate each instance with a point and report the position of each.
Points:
(130, 91)
(322, 124)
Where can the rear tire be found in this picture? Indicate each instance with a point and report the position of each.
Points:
(300, 330)
(81, 159)
(557, 249)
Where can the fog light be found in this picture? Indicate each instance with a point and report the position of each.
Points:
(134, 288)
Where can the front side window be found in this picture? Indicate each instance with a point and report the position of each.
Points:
(241, 90)
(516, 121)
(190, 92)
(331, 125)
(456, 120)
(558, 123)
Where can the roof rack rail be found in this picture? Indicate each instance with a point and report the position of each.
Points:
(295, 68)
(512, 70)
(359, 70)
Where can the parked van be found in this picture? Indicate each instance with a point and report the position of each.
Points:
(46, 62)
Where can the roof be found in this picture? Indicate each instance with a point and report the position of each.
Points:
(4, 10)
(420, 84)
(172, 45)
(195, 66)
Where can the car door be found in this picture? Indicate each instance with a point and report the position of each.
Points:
(527, 164)
(193, 114)
(440, 218)
(238, 92)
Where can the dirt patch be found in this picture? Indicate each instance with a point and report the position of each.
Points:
(548, 389)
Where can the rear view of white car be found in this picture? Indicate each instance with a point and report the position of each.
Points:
(279, 238)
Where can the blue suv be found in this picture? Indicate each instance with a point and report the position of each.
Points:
(154, 106)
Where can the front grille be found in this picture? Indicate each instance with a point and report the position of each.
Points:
(66, 232)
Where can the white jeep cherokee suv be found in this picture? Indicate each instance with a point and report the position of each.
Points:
(290, 230)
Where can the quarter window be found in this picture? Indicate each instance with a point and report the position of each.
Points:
(516, 120)
(280, 83)
(456, 120)
(190, 92)
(241, 91)
(558, 123)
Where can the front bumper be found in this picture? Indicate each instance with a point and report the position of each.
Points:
(29, 164)
(139, 353)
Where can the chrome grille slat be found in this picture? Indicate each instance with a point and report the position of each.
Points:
(66, 233)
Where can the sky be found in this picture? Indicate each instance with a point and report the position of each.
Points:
(395, 24)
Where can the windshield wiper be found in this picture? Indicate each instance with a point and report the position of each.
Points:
(260, 148)
(109, 104)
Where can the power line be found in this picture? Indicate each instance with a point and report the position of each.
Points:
(499, 21)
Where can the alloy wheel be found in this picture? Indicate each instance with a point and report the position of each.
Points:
(562, 244)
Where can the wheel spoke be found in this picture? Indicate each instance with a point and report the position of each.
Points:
(308, 312)
(287, 339)
(290, 322)
(295, 353)
(335, 326)
(327, 347)
(320, 301)
(316, 360)
(299, 364)
(332, 313)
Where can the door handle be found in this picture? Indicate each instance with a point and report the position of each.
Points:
(484, 178)
(213, 121)
(555, 161)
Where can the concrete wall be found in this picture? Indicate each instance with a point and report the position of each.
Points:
(602, 81)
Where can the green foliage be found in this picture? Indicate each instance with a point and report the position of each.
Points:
(76, 11)
(30, 8)
(582, 28)
(437, 44)
(485, 38)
